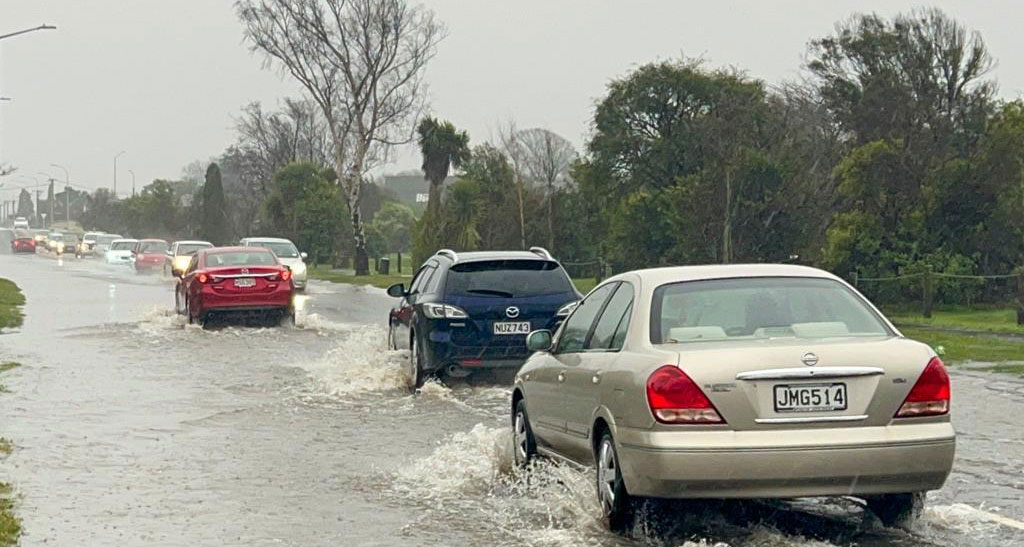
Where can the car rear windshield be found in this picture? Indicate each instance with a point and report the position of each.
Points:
(507, 278)
(191, 248)
(281, 249)
(106, 240)
(759, 308)
(153, 247)
(229, 259)
(122, 245)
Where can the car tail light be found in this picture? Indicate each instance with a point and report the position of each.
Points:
(676, 399)
(930, 395)
(202, 278)
(444, 311)
(286, 275)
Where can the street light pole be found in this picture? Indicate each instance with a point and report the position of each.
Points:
(67, 192)
(132, 173)
(28, 30)
(119, 154)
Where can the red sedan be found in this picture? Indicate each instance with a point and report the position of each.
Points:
(23, 244)
(235, 281)
(149, 255)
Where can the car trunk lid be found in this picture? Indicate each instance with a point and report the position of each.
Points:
(251, 280)
(786, 383)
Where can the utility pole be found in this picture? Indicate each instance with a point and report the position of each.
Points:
(119, 154)
(67, 185)
(133, 181)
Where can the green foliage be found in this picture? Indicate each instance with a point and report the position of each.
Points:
(392, 228)
(442, 147)
(213, 219)
(25, 206)
(10, 525)
(11, 300)
(308, 209)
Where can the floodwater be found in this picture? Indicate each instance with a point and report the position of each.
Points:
(133, 428)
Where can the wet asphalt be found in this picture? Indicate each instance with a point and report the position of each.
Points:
(133, 428)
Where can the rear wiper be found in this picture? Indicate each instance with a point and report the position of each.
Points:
(492, 292)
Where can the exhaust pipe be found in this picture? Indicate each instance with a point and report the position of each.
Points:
(455, 371)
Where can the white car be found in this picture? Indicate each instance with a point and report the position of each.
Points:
(286, 252)
(120, 252)
(21, 223)
(103, 243)
(745, 381)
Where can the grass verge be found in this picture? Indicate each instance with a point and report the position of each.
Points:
(10, 526)
(962, 347)
(325, 273)
(11, 301)
(983, 319)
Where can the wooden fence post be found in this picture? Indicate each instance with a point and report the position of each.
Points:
(399, 262)
(1020, 295)
(928, 293)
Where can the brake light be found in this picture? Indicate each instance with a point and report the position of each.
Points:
(202, 278)
(930, 394)
(676, 399)
(286, 275)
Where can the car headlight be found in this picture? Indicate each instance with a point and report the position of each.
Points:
(565, 310)
(443, 311)
(299, 268)
(60, 246)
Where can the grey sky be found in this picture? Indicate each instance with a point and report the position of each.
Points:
(162, 79)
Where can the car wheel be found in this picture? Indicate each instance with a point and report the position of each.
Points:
(188, 312)
(616, 506)
(416, 375)
(897, 510)
(177, 301)
(525, 449)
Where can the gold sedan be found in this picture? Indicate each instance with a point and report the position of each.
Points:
(760, 381)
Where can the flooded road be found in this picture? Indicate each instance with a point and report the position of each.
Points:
(132, 428)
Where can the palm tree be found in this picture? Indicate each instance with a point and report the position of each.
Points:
(443, 147)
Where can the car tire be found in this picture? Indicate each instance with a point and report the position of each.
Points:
(524, 449)
(416, 375)
(617, 506)
(897, 510)
(177, 301)
(188, 312)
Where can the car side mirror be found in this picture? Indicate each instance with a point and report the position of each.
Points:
(539, 340)
(304, 256)
(397, 290)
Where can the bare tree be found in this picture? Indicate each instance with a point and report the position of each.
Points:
(510, 145)
(546, 159)
(362, 62)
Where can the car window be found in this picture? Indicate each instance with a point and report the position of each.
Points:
(231, 259)
(421, 278)
(190, 248)
(507, 279)
(192, 264)
(432, 284)
(577, 327)
(606, 326)
(620, 332)
(759, 308)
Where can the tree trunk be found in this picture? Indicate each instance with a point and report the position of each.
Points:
(727, 222)
(522, 214)
(551, 216)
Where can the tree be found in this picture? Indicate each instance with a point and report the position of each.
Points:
(304, 206)
(213, 221)
(443, 147)
(362, 62)
(25, 207)
(546, 159)
(395, 223)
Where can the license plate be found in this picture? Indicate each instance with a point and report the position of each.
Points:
(810, 397)
(245, 282)
(512, 327)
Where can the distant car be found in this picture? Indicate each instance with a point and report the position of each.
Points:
(103, 242)
(23, 242)
(40, 237)
(466, 312)
(55, 242)
(180, 253)
(86, 245)
(234, 281)
(21, 223)
(149, 255)
(286, 252)
(120, 252)
(747, 381)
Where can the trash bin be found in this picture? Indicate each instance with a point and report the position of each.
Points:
(384, 266)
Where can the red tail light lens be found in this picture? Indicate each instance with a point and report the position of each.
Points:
(286, 275)
(676, 399)
(202, 278)
(930, 395)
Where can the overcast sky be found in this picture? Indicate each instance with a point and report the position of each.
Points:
(162, 79)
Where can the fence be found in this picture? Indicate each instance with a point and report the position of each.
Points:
(946, 288)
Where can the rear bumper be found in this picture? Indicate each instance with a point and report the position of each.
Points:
(278, 299)
(783, 464)
(443, 353)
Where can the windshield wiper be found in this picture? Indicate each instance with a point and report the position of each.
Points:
(491, 292)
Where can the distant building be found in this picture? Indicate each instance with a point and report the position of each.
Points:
(412, 190)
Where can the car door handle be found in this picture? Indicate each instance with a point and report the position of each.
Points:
(561, 376)
(596, 378)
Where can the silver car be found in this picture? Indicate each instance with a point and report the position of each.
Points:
(287, 253)
(761, 381)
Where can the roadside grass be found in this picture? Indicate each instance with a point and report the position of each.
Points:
(962, 347)
(11, 301)
(10, 526)
(5, 446)
(975, 318)
(326, 273)
(584, 284)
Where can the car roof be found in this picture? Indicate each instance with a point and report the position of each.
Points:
(267, 240)
(479, 256)
(153, 239)
(124, 240)
(193, 242)
(236, 248)
(672, 274)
